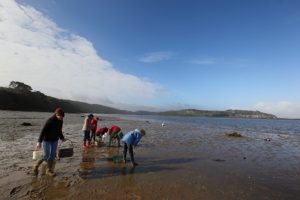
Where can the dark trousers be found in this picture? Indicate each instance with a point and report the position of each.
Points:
(93, 137)
(126, 147)
(86, 136)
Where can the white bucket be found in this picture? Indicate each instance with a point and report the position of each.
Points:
(37, 155)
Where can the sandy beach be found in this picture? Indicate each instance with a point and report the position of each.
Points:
(175, 162)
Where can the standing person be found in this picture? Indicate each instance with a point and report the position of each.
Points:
(113, 134)
(86, 130)
(131, 139)
(94, 123)
(49, 136)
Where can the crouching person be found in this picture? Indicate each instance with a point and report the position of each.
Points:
(48, 139)
(131, 139)
(100, 132)
(113, 134)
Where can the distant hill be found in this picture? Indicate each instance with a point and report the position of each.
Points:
(26, 100)
(226, 113)
(19, 96)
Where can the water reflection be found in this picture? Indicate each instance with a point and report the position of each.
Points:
(88, 162)
(127, 171)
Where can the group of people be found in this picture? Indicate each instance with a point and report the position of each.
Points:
(92, 134)
(52, 132)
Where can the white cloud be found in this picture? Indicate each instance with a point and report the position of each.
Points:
(283, 109)
(34, 50)
(155, 56)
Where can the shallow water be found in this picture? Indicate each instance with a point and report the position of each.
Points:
(189, 158)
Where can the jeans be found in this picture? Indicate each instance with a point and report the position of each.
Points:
(50, 148)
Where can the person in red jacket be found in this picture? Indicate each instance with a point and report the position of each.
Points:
(113, 134)
(100, 132)
(94, 123)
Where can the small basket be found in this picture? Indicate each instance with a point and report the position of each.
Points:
(65, 152)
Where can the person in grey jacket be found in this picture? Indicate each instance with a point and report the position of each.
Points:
(48, 139)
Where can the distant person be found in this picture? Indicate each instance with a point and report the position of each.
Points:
(100, 132)
(94, 123)
(49, 136)
(87, 126)
(115, 133)
(131, 139)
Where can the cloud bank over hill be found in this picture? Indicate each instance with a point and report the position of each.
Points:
(59, 63)
(285, 109)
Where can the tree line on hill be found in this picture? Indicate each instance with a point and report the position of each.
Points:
(20, 97)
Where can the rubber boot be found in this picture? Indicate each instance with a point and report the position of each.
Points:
(36, 167)
(51, 167)
(85, 144)
(44, 168)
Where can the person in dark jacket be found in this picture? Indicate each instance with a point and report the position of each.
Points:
(49, 136)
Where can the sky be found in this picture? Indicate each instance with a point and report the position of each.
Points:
(156, 55)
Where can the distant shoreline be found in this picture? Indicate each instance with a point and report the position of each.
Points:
(21, 97)
(278, 118)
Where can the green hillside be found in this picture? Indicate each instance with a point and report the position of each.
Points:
(226, 113)
(21, 97)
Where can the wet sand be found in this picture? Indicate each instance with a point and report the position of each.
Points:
(175, 162)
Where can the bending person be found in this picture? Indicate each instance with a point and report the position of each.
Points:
(100, 132)
(131, 139)
(113, 134)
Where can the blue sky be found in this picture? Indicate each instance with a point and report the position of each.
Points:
(212, 55)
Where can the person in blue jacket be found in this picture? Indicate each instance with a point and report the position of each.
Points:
(131, 139)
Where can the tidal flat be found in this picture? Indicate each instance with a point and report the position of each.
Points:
(176, 161)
